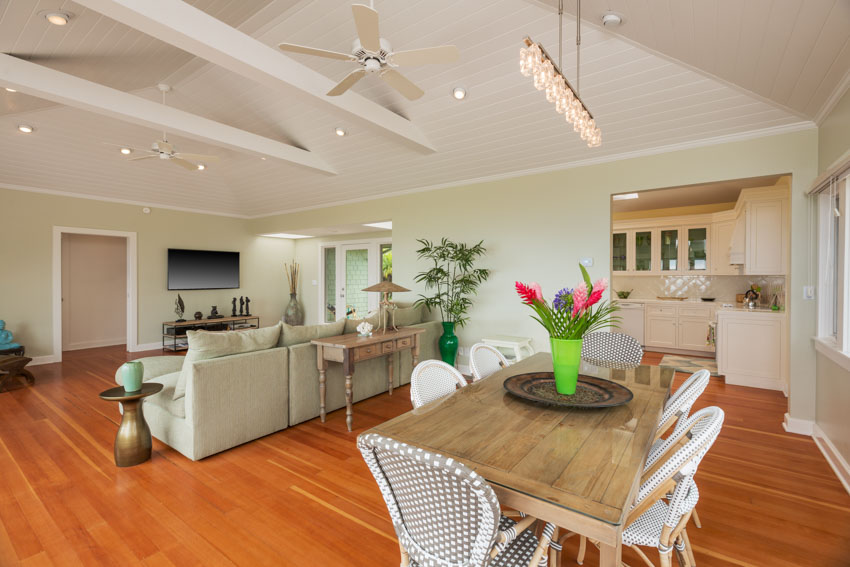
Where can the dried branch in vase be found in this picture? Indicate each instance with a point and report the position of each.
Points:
(292, 276)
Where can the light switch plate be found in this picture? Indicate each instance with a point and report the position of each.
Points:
(314, 282)
(586, 262)
(808, 292)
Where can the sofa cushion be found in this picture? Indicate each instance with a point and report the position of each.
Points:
(155, 366)
(165, 398)
(204, 345)
(351, 324)
(406, 316)
(295, 335)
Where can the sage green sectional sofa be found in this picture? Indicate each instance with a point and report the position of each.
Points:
(236, 386)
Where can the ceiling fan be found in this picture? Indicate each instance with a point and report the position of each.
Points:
(162, 149)
(374, 54)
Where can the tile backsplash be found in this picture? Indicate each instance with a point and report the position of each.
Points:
(723, 288)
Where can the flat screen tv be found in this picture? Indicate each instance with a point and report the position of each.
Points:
(202, 269)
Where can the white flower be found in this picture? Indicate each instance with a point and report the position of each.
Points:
(364, 328)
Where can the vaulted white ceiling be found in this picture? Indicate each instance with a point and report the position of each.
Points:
(644, 99)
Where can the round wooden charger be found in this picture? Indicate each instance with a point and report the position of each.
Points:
(591, 392)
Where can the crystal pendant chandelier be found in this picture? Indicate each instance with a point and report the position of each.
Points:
(535, 62)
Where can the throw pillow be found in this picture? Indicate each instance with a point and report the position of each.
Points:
(204, 345)
(295, 335)
(405, 316)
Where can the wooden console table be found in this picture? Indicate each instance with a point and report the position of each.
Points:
(350, 349)
(174, 332)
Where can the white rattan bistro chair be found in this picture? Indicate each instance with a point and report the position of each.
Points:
(611, 347)
(485, 360)
(668, 495)
(445, 514)
(432, 380)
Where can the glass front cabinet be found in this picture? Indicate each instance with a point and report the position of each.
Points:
(673, 250)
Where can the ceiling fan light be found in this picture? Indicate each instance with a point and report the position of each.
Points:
(58, 18)
(126, 151)
(11, 90)
(26, 128)
(201, 167)
(340, 131)
(459, 93)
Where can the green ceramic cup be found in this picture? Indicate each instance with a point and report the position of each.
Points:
(566, 359)
(131, 374)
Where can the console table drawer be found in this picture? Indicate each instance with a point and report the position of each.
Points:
(403, 343)
(387, 347)
(364, 352)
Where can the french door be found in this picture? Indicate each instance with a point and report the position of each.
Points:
(347, 269)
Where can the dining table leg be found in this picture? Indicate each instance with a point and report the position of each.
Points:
(610, 555)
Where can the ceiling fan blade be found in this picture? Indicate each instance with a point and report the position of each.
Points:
(184, 163)
(195, 157)
(366, 20)
(291, 47)
(402, 84)
(442, 54)
(143, 157)
(347, 82)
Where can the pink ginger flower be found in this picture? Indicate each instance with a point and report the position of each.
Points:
(538, 291)
(579, 298)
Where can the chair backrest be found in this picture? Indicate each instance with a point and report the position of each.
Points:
(674, 476)
(611, 347)
(680, 403)
(444, 514)
(485, 360)
(432, 380)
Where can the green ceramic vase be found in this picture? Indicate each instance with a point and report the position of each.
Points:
(448, 343)
(131, 375)
(566, 359)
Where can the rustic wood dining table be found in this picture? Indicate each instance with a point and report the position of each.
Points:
(576, 468)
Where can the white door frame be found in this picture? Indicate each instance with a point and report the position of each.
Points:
(132, 285)
(374, 247)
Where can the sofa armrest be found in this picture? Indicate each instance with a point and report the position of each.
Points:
(234, 399)
(155, 366)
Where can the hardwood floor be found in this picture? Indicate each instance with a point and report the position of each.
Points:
(303, 496)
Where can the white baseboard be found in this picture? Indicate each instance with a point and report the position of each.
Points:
(47, 359)
(755, 382)
(798, 426)
(95, 344)
(144, 347)
(833, 457)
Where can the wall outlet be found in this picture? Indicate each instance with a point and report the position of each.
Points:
(808, 292)
(586, 262)
(463, 351)
(314, 282)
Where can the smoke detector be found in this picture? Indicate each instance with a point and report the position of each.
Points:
(612, 20)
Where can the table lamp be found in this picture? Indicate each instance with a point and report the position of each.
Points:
(386, 288)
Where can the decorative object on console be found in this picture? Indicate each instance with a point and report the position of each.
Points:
(233, 308)
(294, 314)
(247, 306)
(455, 280)
(364, 329)
(179, 308)
(6, 338)
(198, 315)
(241, 305)
(568, 320)
(131, 374)
(214, 313)
(386, 307)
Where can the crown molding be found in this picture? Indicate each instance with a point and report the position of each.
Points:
(833, 99)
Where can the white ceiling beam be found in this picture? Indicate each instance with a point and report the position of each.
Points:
(200, 34)
(46, 83)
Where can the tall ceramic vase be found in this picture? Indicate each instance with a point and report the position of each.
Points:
(294, 314)
(448, 343)
(566, 359)
(131, 375)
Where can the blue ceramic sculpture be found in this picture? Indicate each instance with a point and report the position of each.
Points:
(6, 338)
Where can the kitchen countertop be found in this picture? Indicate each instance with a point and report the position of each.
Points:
(718, 304)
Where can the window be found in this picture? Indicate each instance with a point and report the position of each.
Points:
(833, 282)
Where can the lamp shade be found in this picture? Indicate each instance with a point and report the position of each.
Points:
(388, 287)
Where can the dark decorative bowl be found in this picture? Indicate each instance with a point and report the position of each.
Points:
(707, 298)
(591, 391)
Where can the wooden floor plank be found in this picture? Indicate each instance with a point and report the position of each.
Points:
(304, 496)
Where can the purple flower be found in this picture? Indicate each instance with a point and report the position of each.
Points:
(563, 299)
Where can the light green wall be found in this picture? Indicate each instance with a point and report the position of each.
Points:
(26, 231)
(537, 227)
(834, 134)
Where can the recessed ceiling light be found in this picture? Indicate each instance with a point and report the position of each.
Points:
(126, 151)
(625, 196)
(201, 167)
(388, 225)
(26, 129)
(340, 131)
(459, 93)
(612, 20)
(286, 235)
(11, 90)
(58, 18)
(262, 158)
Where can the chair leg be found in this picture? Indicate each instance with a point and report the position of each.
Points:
(554, 551)
(695, 516)
(688, 549)
(666, 558)
(405, 558)
(582, 549)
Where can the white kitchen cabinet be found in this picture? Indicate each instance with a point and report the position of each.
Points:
(692, 333)
(620, 244)
(721, 242)
(660, 331)
(696, 249)
(752, 349)
(679, 327)
(766, 247)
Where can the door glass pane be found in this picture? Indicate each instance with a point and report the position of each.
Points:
(643, 251)
(386, 267)
(618, 262)
(697, 238)
(356, 278)
(670, 249)
(330, 285)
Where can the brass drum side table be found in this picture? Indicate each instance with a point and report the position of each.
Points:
(133, 441)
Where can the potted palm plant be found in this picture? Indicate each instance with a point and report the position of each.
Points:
(454, 279)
